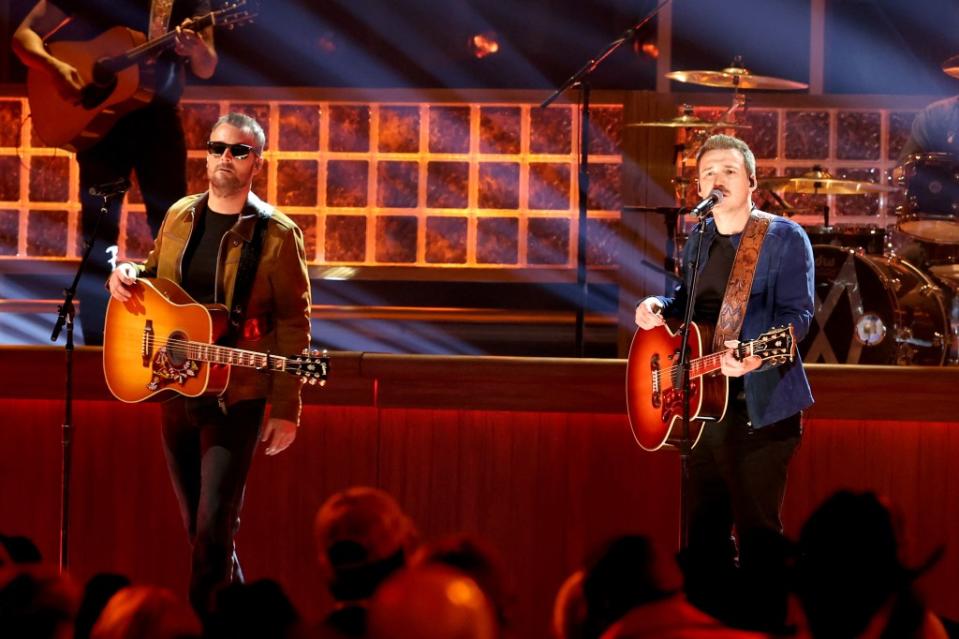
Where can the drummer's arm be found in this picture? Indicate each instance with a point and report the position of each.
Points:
(919, 140)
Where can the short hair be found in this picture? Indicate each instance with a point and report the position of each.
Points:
(720, 142)
(243, 121)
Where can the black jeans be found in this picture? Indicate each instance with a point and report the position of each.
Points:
(209, 453)
(738, 480)
(149, 141)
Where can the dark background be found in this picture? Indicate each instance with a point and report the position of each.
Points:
(872, 46)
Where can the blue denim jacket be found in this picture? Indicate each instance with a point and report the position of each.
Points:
(783, 292)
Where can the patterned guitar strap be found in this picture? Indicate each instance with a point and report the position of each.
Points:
(160, 11)
(733, 311)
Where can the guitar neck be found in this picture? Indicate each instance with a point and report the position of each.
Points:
(214, 354)
(705, 365)
(151, 48)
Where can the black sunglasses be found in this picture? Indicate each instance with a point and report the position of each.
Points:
(238, 151)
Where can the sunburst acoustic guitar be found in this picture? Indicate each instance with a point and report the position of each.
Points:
(160, 343)
(654, 397)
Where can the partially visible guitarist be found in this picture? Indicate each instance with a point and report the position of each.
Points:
(209, 445)
(149, 140)
(738, 470)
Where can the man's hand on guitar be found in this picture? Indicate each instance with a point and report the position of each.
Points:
(121, 279)
(280, 433)
(732, 366)
(197, 48)
(649, 313)
(67, 80)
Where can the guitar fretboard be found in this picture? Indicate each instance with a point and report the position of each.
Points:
(215, 354)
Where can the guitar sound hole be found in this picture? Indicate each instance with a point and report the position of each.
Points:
(176, 347)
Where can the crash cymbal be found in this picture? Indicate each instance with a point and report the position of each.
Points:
(689, 121)
(951, 66)
(819, 182)
(735, 78)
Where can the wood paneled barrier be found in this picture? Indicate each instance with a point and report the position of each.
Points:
(532, 454)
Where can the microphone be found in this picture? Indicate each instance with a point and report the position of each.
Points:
(110, 189)
(706, 205)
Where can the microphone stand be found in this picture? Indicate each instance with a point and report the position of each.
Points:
(581, 79)
(65, 318)
(685, 443)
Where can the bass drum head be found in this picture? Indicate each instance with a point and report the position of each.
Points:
(874, 310)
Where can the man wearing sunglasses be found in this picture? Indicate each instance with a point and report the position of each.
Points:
(148, 140)
(209, 443)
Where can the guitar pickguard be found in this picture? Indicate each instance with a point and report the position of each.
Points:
(167, 370)
(673, 401)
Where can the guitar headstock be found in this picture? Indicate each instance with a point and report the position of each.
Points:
(312, 367)
(776, 346)
(231, 14)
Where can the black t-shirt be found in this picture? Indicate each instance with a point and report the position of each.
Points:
(93, 17)
(711, 286)
(199, 259)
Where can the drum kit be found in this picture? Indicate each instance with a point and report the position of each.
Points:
(879, 300)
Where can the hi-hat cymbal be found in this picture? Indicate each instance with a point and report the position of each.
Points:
(820, 182)
(951, 66)
(689, 121)
(735, 78)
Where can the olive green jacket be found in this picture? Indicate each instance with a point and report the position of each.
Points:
(279, 299)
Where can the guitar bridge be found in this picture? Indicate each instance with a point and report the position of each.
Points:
(146, 346)
(654, 372)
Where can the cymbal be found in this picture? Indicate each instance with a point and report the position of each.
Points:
(820, 182)
(788, 210)
(689, 121)
(951, 66)
(735, 78)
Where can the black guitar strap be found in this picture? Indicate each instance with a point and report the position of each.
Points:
(246, 271)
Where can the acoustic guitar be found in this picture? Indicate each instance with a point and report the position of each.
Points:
(654, 394)
(160, 342)
(116, 79)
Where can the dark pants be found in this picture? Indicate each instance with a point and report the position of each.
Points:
(149, 141)
(738, 480)
(209, 453)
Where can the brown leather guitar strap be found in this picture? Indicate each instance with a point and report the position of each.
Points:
(160, 11)
(733, 311)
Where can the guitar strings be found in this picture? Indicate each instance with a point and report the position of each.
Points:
(186, 345)
(703, 362)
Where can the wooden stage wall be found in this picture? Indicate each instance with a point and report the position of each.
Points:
(532, 454)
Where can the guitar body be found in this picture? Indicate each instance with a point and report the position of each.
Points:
(655, 408)
(76, 127)
(138, 368)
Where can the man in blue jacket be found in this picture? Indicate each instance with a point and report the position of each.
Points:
(738, 469)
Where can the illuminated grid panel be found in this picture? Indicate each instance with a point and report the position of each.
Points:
(859, 144)
(459, 185)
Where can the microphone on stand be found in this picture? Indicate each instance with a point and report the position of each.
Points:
(111, 189)
(704, 207)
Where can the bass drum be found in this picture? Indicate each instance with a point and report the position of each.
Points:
(872, 309)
